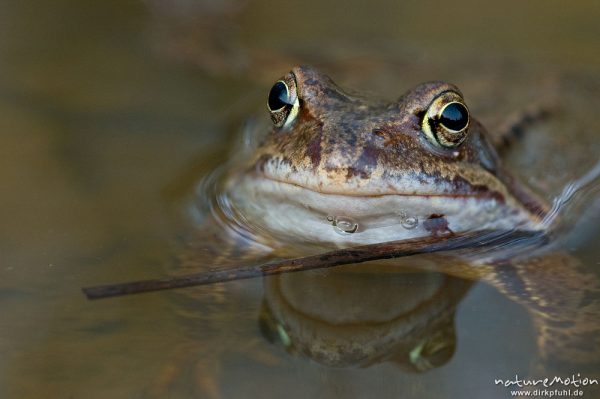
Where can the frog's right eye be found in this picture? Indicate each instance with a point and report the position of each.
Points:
(283, 102)
(447, 120)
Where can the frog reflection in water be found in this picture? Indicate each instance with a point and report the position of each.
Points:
(420, 166)
(365, 315)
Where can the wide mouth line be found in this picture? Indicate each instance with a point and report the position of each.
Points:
(363, 195)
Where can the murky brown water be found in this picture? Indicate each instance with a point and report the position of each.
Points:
(110, 112)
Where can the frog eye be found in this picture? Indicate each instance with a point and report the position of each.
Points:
(283, 101)
(446, 121)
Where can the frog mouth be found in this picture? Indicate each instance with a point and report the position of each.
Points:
(294, 212)
(348, 181)
(369, 204)
(486, 190)
(456, 189)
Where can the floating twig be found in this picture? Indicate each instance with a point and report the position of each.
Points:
(359, 254)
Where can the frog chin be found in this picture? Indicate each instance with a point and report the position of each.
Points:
(292, 213)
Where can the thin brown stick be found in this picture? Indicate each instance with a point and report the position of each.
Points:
(359, 254)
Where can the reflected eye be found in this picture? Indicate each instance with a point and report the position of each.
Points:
(283, 101)
(446, 121)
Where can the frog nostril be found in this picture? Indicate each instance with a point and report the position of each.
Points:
(378, 132)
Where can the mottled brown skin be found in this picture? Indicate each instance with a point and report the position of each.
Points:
(349, 142)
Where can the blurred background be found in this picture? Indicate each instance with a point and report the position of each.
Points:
(111, 111)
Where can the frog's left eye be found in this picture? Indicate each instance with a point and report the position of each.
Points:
(283, 101)
(446, 121)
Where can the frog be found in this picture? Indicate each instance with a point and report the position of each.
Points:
(338, 169)
(333, 155)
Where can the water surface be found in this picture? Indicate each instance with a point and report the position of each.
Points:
(111, 112)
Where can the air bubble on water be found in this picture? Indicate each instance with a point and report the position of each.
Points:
(343, 225)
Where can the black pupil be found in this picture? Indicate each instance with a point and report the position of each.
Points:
(278, 96)
(455, 116)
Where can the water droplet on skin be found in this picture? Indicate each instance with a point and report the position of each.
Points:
(343, 225)
(410, 222)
